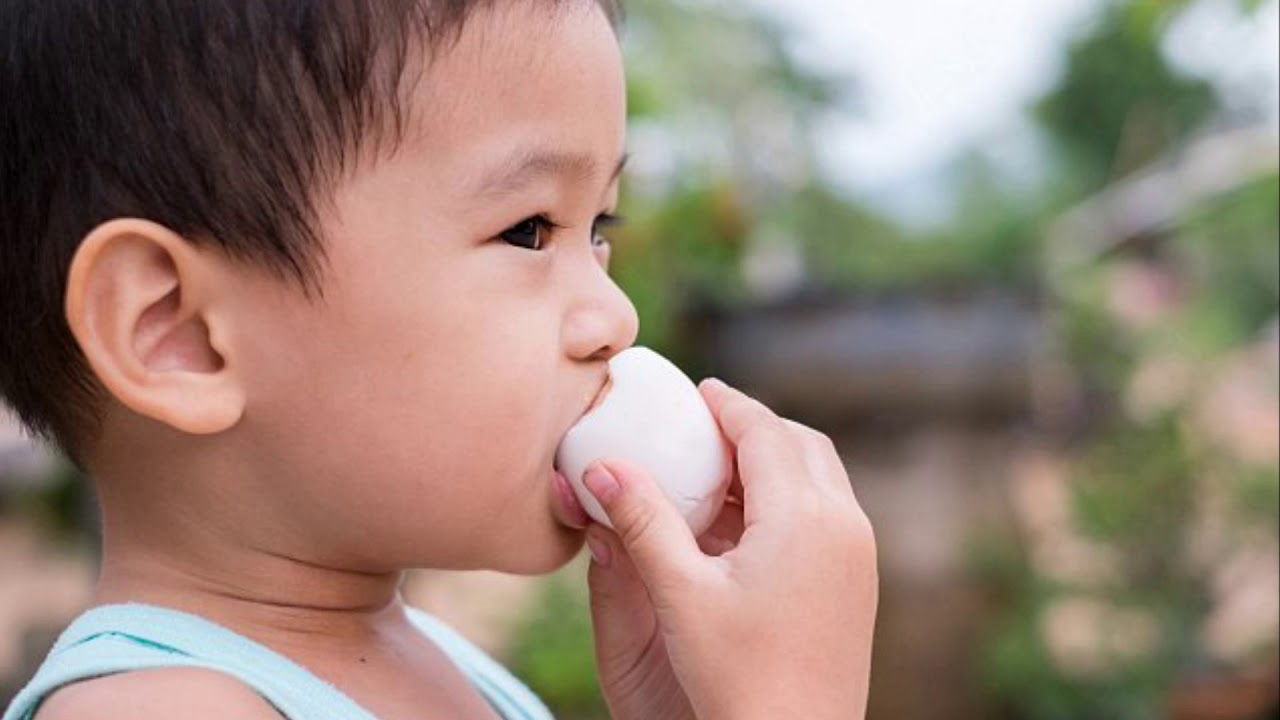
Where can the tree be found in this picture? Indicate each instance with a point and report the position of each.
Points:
(1119, 104)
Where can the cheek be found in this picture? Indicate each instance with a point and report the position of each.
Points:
(452, 392)
(415, 411)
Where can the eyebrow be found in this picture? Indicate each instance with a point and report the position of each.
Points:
(523, 167)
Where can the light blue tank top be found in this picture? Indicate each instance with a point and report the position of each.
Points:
(118, 638)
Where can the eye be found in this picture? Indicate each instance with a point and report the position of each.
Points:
(528, 233)
(603, 221)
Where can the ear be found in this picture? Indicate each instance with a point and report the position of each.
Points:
(142, 304)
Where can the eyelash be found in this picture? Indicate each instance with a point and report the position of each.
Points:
(540, 223)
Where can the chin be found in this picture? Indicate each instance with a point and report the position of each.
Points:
(544, 557)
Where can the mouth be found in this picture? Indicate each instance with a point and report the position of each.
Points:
(569, 511)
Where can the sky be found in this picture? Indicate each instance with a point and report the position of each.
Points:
(937, 76)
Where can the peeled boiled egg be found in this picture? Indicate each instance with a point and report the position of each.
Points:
(652, 414)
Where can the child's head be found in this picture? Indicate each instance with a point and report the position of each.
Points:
(267, 265)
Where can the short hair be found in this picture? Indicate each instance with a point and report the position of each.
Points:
(222, 120)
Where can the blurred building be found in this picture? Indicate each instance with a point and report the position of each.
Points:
(928, 396)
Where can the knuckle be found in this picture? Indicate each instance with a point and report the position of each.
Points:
(845, 524)
(862, 529)
(816, 439)
(860, 536)
(799, 429)
(815, 510)
(798, 426)
(635, 523)
(769, 429)
(750, 408)
(825, 443)
(675, 582)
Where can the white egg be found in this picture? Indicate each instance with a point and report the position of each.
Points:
(654, 416)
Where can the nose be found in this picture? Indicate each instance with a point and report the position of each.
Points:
(602, 320)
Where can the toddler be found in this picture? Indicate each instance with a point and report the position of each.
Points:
(312, 289)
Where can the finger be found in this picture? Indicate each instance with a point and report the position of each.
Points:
(821, 455)
(769, 458)
(650, 529)
(621, 615)
(736, 412)
(725, 533)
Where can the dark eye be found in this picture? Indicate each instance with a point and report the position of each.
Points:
(528, 233)
(603, 221)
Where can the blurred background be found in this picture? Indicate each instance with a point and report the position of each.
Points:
(1018, 259)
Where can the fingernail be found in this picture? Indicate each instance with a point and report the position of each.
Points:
(599, 550)
(716, 383)
(601, 484)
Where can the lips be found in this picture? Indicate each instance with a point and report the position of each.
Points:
(569, 510)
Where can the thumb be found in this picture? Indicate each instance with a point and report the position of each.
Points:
(622, 616)
(654, 534)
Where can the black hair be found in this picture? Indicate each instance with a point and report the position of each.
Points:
(220, 119)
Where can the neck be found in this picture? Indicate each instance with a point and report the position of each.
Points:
(258, 591)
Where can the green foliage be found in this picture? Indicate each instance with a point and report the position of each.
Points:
(553, 652)
(673, 247)
(1016, 663)
(848, 245)
(61, 506)
(1119, 104)
(1137, 480)
(1135, 492)
(1231, 248)
(1257, 497)
(1019, 668)
(714, 59)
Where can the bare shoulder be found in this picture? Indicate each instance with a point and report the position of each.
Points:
(191, 693)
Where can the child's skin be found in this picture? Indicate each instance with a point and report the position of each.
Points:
(274, 464)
